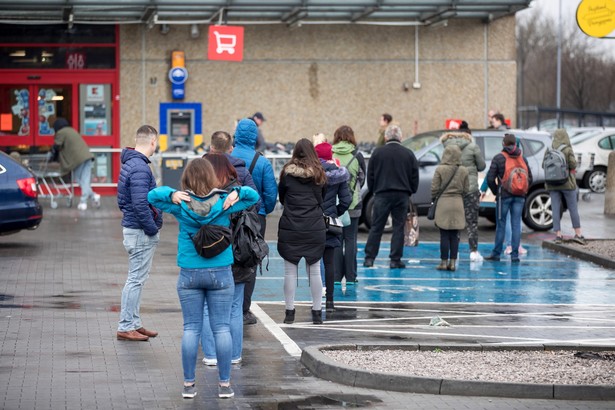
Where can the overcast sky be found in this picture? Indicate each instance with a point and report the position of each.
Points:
(569, 9)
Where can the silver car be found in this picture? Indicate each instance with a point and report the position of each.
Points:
(428, 151)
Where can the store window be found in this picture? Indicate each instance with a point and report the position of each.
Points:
(95, 109)
(14, 110)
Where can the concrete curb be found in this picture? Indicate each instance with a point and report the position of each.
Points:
(325, 368)
(579, 253)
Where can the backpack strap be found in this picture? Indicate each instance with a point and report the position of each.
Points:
(253, 163)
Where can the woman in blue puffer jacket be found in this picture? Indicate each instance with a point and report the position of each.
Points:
(203, 280)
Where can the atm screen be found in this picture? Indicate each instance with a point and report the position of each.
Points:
(180, 129)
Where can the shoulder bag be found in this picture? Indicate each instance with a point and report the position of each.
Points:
(431, 213)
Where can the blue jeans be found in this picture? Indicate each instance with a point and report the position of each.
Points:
(83, 175)
(140, 248)
(207, 337)
(514, 206)
(214, 287)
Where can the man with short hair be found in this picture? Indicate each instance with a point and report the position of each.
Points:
(259, 119)
(141, 224)
(506, 201)
(246, 134)
(385, 121)
(392, 176)
(498, 122)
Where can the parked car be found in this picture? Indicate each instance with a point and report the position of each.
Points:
(19, 206)
(537, 212)
(592, 149)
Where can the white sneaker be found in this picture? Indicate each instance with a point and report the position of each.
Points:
(508, 250)
(475, 256)
(236, 361)
(83, 206)
(324, 292)
(522, 250)
(96, 200)
(210, 362)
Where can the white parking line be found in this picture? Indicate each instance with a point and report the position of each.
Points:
(289, 345)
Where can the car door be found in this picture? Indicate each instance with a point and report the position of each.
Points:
(428, 162)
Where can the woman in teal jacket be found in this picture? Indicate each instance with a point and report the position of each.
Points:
(203, 280)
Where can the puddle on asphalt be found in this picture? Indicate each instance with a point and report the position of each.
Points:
(330, 400)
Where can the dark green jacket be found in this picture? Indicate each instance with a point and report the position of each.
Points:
(72, 149)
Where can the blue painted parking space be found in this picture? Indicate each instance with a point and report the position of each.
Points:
(542, 277)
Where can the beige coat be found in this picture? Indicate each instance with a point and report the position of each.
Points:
(450, 213)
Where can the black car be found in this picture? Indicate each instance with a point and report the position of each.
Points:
(19, 206)
(428, 151)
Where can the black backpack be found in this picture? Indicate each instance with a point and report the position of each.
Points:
(249, 246)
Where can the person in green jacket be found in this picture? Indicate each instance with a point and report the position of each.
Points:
(566, 192)
(75, 156)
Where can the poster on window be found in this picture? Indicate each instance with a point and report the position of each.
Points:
(95, 109)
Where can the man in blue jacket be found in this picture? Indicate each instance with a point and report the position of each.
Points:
(261, 170)
(141, 224)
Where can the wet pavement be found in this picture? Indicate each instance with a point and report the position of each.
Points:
(60, 289)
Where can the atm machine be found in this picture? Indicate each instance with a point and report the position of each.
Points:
(180, 133)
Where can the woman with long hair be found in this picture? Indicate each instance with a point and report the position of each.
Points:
(203, 280)
(227, 180)
(301, 231)
(345, 150)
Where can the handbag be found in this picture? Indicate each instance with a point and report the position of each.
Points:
(210, 240)
(334, 225)
(431, 212)
(345, 219)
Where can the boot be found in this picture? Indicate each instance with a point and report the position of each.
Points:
(452, 265)
(329, 306)
(442, 265)
(290, 316)
(317, 316)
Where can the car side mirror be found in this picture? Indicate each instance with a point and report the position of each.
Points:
(428, 160)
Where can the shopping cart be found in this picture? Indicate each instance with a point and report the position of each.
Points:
(225, 42)
(52, 184)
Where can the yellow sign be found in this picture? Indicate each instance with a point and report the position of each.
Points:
(174, 164)
(596, 18)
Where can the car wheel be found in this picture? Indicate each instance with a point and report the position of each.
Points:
(596, 179)
(537, 213)
(368, 218)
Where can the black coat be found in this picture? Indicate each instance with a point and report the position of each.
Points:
(337, 197)
(393, 168)
(301, 231)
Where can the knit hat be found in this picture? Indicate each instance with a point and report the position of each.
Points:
(323, 150)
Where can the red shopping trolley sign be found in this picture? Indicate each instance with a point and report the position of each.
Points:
(225, 43)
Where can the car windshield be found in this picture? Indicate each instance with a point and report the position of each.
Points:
(583, 136)
(420, 141)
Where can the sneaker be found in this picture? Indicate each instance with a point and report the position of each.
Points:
(558, 240)
(508, 250)
(249, 318)
(580, 239)
(210, 362)
(236, 361)
(397, 265)
(225, 392)
(189, 392)
(492, 258)
(352, 282)
(336, 283)
(475, 256)
(96, 200)
(522, 250)
(368, 263)
(83, 206)
(515, 260)
(324, 291)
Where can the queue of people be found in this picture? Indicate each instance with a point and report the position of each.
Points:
(318, 188)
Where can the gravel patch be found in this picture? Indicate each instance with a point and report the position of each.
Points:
(544, 367)
(604, 248)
